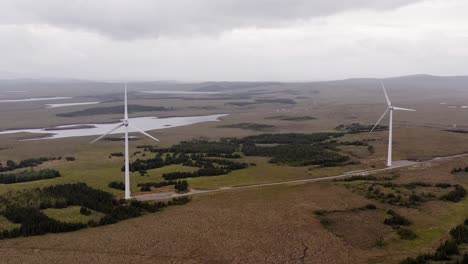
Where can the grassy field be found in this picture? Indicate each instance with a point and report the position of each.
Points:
(6, 224)
(72, 215)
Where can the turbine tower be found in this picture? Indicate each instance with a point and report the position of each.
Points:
(390, 108)
(125, 123)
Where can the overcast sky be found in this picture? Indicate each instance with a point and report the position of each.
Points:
(232, 40)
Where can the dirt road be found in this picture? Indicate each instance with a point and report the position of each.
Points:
(396, 165)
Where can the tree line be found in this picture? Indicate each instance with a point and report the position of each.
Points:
(27, 176)
(27, 163)
(296, 154)
(179, 186)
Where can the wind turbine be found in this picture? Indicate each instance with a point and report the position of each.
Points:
(390, 108)
(125, 123)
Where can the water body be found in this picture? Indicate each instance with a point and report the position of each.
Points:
(34, 99)
(69, 104)
(178, 92)
(144, 123)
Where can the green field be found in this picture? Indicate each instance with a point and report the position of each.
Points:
(72, 214)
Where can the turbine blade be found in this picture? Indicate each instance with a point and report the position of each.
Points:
(386, 95)
(378, 122)
(403, 109)
(144, 133)
(112, 130)
(126, 110)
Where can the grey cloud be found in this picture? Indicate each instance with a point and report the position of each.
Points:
(133, 19)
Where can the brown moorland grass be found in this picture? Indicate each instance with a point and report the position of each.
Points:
(274, 225)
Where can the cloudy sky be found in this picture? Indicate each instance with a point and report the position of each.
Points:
(232, 40)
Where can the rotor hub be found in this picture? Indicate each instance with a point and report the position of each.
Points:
(125, 122)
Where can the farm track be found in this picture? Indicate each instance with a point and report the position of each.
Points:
(397, 165)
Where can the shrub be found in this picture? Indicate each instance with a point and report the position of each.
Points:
(396, 219)
(371, 207)
(181, 186)
(359, 178)
(421, 259)
(460, 234)
(117, 185)
(85, 211)
(456, 195)
(446, 250)
(326, 223)
(406, 234)
(443, 185)
(320, 212)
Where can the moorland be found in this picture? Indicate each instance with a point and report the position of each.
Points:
(62, 198)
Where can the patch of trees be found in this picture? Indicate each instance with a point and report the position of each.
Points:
(290, 138)
(296, 155)
(204, 146)
(78, 194)
(27, 176)
(353, 143)
(113, 110)
(180, 186)
(223, 156)
(34, 222)
(208, 167)
(355, 128)
(70, 158)
(292, 149)
(157, 162)
(446, 251)
(200, 173)
(250, 126)
(27, 163)
(117, 185)
(117, 154)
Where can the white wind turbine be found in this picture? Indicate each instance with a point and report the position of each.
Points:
(390, 108)
(125, 123)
